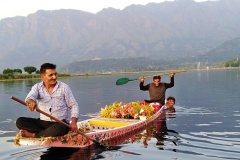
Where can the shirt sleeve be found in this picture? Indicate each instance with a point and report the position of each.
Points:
(72, 103)
(33, 94)
(142, 87)
(171, 84)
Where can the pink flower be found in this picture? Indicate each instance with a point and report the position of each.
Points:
(130, 110)
(122, 111)
(114, 114)
(136, 115)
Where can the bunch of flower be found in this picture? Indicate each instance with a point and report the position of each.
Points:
(130, 110)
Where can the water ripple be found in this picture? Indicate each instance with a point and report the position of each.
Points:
(223, 145)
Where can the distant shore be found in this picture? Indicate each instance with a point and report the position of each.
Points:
(37, 76)
(13, 77)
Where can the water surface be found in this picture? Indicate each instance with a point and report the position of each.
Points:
(205, 126)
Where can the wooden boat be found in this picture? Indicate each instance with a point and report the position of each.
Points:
(104, 130)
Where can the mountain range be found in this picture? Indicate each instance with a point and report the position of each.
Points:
(181, 30)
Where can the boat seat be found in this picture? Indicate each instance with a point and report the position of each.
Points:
(109, 123)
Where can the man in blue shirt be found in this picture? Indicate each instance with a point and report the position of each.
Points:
(53, 97)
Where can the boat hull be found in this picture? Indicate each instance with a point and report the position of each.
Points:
(107, 131)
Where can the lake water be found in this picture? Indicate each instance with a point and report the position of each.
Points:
(206, 124)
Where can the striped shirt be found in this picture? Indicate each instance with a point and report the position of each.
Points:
(56, 104)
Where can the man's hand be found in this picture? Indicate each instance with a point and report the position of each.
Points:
(73, 124)
(141, 79)
(172, 74)
(31, 104)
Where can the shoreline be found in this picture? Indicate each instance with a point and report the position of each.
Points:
(118, 73)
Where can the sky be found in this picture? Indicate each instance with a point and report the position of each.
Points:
(12, 8)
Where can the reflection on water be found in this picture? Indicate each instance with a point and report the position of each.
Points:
(211, 144)
(157, 135)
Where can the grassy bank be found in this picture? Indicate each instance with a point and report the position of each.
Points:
(5, 77)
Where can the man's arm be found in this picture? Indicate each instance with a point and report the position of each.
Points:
(141, 85)
(33, 94)
(73, 124)
(72, 103)
(171, 84)
(31, 99)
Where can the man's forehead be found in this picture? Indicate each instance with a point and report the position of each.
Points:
(50, 71)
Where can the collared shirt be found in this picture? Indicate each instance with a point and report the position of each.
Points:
(56, 104)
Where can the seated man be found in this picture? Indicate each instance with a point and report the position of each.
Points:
(53, 97)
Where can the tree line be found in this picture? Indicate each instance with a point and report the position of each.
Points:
(28, 69)
(11, 74)
(232, 63)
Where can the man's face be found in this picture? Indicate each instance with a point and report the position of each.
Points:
(170, 103)
(156, 82)
(49, 77)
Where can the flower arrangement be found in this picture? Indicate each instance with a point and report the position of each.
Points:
(132, 110)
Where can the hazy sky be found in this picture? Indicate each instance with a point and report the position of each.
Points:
(12, 8)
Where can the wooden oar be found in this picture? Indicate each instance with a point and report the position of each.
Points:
(125, 80)
(59, 121)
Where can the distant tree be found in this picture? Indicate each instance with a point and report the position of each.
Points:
(37, 72)
(7, 71)
(17, 70)
(30, 69)
(232, 63)
(227, 64)
(235, 64)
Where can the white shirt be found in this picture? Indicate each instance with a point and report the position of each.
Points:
(56, 104)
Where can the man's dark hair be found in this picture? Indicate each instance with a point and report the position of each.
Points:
(171, 98)
(46, 66)
(156, 77)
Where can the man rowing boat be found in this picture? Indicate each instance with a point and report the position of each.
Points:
(53, 97)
